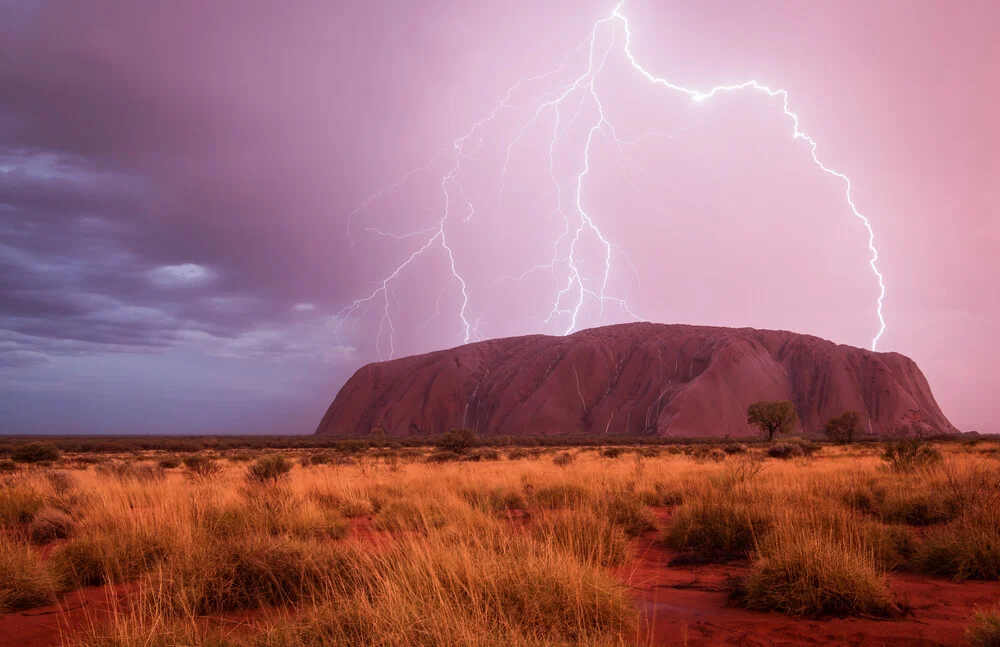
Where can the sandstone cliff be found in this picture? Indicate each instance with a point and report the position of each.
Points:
(631, 379)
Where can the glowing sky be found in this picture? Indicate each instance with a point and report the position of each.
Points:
(176, 186)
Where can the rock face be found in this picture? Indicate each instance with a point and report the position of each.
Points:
(631, 380)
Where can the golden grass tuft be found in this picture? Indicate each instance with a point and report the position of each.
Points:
(24, 579)
(805, 573)
(984, 630)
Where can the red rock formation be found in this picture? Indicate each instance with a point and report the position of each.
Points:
(631, 379)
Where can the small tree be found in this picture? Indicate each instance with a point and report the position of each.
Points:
(378, 437)
(772, 417)
(843, 428)
(458, 440)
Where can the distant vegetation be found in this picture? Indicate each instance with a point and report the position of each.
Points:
(404, 545)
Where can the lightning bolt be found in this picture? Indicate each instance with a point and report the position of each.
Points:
(575, 287)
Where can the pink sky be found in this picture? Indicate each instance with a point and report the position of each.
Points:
(179, 181)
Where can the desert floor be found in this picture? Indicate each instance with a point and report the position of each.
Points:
(675, 545)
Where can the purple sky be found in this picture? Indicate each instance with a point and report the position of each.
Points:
(177, 179)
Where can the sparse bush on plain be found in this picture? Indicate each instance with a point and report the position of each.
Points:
(785, 451)
(37, 452)
(201, 466)
(269, 470)
(168, 462)
(844, 428)
(458, 440)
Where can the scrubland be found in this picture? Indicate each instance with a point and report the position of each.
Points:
(485, 546)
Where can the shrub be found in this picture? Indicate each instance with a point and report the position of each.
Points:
(168, 462)
(320, 458)
(843, 428)
(984, 631)
(807, 574)
(24, 580)
(735, 448)
(50, 525)
(808, 447)
(785, 451)
(443, 456)
(517, 454)
(35, 453)
(7, 466)
(483, 455)
(458, 440)
(612, 452)
(908, 451)
(201, 466)
(269, 469)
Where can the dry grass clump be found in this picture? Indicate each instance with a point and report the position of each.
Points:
(219, 574)
(271, 511)
(124, 470)
(556, 496)
(24, 579)
(404, 515)
(50, 525)
(497, 501)
(967, 548)
(432, 592)
(804, 573)
(110, 553)
(627, 509)
(584, 535)
(984, 631)
(19, 503)
(718, 526)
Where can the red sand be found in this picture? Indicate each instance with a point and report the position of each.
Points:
(683, 605)
(689, 605)
(44, 626)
